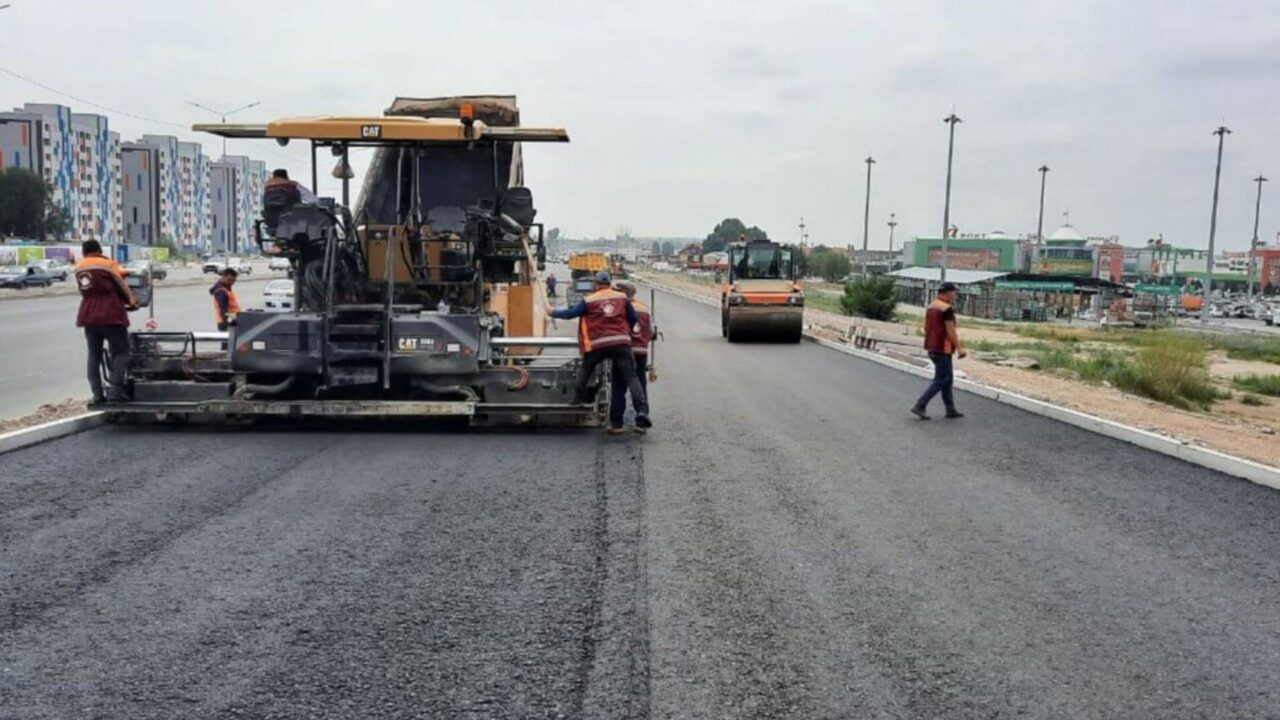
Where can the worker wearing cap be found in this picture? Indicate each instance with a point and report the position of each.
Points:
(225, 305)
(605, 319)
(641, 336)
(105, 300)
(942, 343)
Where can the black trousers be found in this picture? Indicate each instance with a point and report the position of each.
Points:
(624, 373)
(116, 339)
(618, 390)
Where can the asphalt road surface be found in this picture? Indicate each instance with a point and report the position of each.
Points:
(44, 353)
(787, 543)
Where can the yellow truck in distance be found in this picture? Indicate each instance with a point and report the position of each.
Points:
(587, 263)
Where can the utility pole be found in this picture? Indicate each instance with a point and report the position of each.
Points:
(1253, 244)
(1222, 132)
(1044, 171)
(950, 120)
(224, 115)
(802, 235)
(866, 217)
(893, 223)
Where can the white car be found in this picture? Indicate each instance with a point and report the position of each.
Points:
(216, 265)
(280, 264)
(278, 295)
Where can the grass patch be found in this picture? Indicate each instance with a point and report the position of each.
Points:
(824, 301)
(1167, 368)
(1241, 347)
(1261, 384)
(1174, 371)
(1251, 399)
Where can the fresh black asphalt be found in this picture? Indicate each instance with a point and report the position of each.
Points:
(787, 543)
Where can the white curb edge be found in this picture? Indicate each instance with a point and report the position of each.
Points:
(1204, 457)
(27, 437)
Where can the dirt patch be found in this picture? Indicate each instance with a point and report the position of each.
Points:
(46, 413)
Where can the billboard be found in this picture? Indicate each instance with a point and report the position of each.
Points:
(967, 258)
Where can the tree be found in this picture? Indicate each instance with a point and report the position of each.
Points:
(828, 265)
(668, 248)
(656, 250)
(874, 298)
(731, 230)
(553, 234)
(25, 202)
(57, 221)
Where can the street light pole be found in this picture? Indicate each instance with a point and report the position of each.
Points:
(893, 223)
(1253, 244)
(224, 115)
(1044, 172)
(802, 235)
(866, 217)
(950, 120)
(1222, 132)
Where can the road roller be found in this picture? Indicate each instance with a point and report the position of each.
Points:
(761, 301)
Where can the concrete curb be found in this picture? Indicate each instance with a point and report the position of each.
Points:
(1204, 457)
(27, 437)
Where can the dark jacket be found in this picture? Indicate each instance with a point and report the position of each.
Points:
(104, 296)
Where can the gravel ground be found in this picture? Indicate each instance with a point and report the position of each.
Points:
(788, 542)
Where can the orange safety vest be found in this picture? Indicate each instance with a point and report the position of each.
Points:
(233, 305)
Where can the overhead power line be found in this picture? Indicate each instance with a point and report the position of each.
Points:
(90, 103)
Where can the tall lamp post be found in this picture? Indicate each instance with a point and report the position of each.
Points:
(1222, 132)
(224, 114)
(893, 223)
(802, 235)
(952, 120)
(1253, 244)
(866, 217)
(1044, 172)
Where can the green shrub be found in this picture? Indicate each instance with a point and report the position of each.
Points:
(1251, 399)
(873, 298)
(1173, 371)
(1261, 384)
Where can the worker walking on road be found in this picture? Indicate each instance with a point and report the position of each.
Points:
(551, 285)
(605, 319)
(225, 306)
(942, 342)
(105, 301)
(642, 334)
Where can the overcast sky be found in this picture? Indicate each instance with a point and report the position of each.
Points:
(684, 113)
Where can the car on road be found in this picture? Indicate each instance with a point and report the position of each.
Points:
(56, 269)
(216, 265)
(141, 267)
(278, 295)
(24, 277)
(278, 264)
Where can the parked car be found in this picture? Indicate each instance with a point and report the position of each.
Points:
(278, 295)
(56, 269)
(214, 265)
(278, 264)
(141, 267)
(23, 278)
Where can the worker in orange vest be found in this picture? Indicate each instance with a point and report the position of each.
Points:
(225, 305)
(605, 318)
(105, 300)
